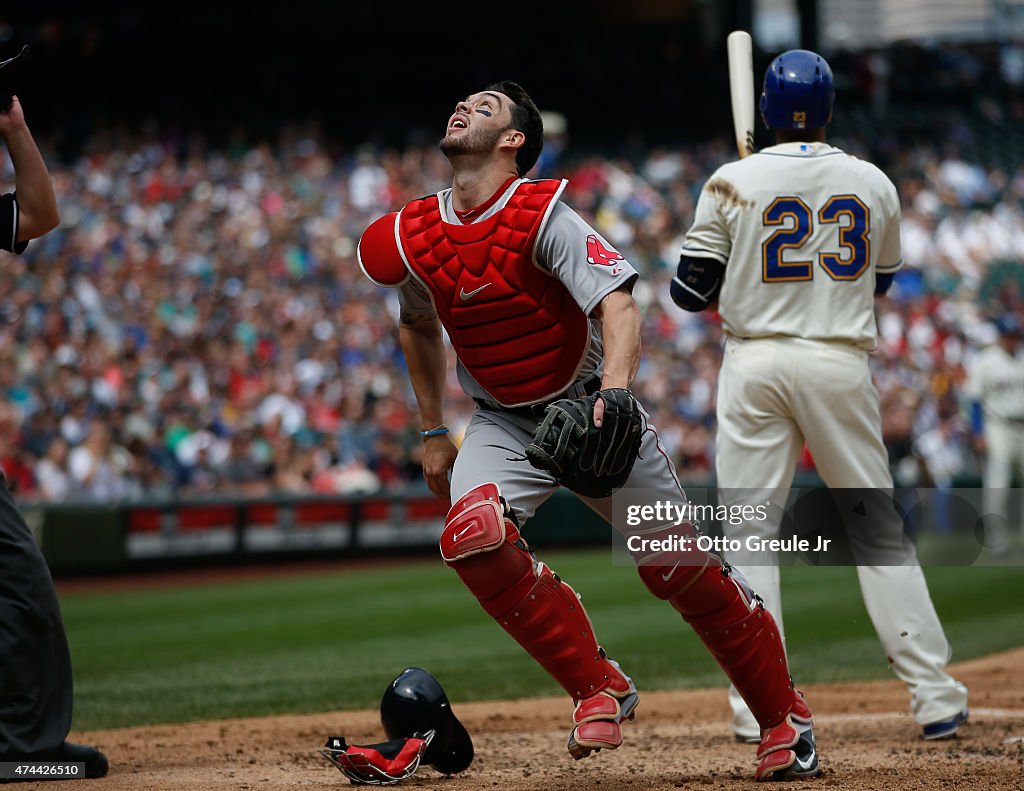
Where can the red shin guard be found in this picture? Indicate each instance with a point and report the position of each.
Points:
(543, 614)
(736, 629)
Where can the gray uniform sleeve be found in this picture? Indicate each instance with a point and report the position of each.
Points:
(579, 256)
(9, 225)
(414, 300)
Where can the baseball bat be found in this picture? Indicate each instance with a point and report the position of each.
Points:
(740, 49)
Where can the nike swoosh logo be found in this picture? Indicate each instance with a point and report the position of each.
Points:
(807, 764)
(467, 295)
(460, 534)
(667, 577)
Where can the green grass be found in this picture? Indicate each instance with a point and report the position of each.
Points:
(325, 641)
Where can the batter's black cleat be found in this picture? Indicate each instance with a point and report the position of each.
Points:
(94, 762)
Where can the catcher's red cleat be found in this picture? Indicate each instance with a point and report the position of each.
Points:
(788, 751)
(598, 718)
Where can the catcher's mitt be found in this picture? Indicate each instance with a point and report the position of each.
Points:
(589, 460)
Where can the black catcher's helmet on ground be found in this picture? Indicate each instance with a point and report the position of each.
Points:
(416, 703)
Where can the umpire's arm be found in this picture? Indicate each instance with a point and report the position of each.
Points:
(37, 203)
(621, 324)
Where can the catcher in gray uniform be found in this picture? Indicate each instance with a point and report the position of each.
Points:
(538, 308)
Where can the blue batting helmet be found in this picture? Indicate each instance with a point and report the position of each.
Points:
(798, 91)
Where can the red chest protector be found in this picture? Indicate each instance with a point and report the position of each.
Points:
(516, 328)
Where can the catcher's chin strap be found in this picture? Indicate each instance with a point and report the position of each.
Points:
(481, 542)
(731, 621)
(378, 764)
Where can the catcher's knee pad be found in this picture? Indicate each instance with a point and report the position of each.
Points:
(720, 606)
(481, 542)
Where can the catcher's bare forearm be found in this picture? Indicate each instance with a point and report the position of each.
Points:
(423, 346)
(620, 327)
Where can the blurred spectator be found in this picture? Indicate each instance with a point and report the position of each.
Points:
(351, 477)
(241, 471)
(202, 478)
(944, 449)
(52, 473)
(16, 469)
(98, 468)
(292, 467)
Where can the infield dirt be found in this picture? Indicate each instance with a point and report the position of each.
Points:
(680, 740)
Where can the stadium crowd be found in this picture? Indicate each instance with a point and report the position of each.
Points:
(198, 324)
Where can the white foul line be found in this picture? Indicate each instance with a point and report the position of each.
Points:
(1007, 714)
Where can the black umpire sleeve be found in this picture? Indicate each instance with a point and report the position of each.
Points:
(9, 224)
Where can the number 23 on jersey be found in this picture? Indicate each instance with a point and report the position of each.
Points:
(793, 221)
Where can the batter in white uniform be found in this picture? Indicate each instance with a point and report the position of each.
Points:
(794, 243)
(537, 306)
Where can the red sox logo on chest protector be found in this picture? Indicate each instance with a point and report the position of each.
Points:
(599, 255)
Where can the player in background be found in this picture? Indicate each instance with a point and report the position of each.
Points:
(538, 306)
(793, 244)
(995, 386)
(35, 662)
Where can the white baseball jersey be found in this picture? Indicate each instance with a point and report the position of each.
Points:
(801, 241)
(997, 380)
